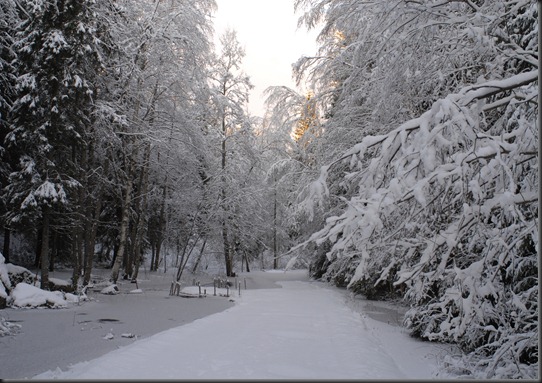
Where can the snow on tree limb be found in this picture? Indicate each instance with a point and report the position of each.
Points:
(464, 97)
(445, 200)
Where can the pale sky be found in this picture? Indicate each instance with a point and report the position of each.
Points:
(267, 29)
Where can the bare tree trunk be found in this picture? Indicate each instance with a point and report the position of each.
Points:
(81, 220)
(161, 226)
(226, 244)
(185, 257)
(227, 249)
(90, 240)
(130, 246)
(123, 228)
(158, 250)
(53, 250)
(153, 254)
(275, 250)
(246, 260)
(158, 247)
(37, 254)
(44, 254)
(77, 251)
(199, 257)
(7, 238)
(193, 229)
(140, 229)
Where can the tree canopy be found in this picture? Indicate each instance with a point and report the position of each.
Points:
(408, 171)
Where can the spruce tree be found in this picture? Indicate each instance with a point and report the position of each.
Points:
(58, 60)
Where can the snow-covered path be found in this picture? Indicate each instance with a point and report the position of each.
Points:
(303, 330)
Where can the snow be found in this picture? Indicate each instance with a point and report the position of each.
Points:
(283, 326)
(51, 191)
(111, 290)
(489, 87)
(60, 282)
(27, 295)
(4, 277)
(57, 338)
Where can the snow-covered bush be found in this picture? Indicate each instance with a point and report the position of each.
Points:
(17, 289)
(18, 274)
(25, 295)
(5, 283)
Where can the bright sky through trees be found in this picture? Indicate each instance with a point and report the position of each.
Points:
(267, 29)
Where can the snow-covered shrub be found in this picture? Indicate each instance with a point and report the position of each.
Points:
(25, 295)
(18, 274)
(5, 283)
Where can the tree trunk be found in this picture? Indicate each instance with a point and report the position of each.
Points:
(186, 256)
(39, 240)
(82, 219)
(53, 251)
(90, 240)
(157, 256)
(140, 229)
(161, 226)
(227, 249)
(153, 254)
(275, 259)
(226, 244)
(44, 254)
(123, 229)
(77, 255)
(7, 238)
(246, 260)
(199, 257)
(130, 247)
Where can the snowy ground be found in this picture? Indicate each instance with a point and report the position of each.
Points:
(282, 327)
(51, 338)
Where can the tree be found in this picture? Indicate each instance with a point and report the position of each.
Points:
(58, 59)
(438, 193)
(291, 127)
(166, 82)
(231, 87)
(8, 20)
(113, 107)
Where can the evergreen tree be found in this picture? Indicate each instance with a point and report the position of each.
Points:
(8, 22)
(58, 60)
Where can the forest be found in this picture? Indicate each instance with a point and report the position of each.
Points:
(408, 172)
